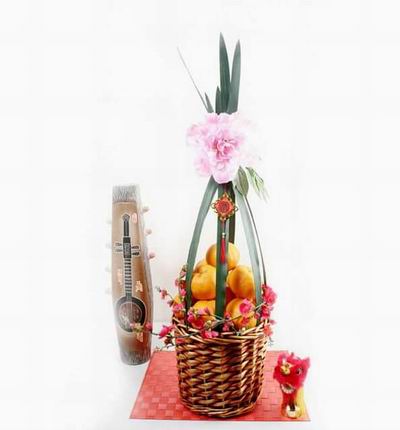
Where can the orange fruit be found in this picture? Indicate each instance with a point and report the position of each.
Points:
(210, 304)
(199, 264)
(233, 308)
(232, 259)
(180, 314)
(241, 281)
(229, 296)
(203, 283)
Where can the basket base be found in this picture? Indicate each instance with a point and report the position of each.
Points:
(159, 399)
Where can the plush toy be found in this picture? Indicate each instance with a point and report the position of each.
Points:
(291, 371)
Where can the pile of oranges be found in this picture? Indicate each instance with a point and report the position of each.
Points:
(239, 287)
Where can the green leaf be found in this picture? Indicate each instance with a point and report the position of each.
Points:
(218, 101)
(242, 183)
(191, 78)
(232, 219)
(258, 183)
(235, 81)
(221, 268)
(209, 105)
(194, 244)
(251, 244)
(224, 73)
(264, 280)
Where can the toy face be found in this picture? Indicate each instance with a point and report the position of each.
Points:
(290, 372)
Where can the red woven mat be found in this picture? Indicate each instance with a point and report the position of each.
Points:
(158, 398)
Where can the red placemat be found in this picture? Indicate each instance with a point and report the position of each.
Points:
(158, 398)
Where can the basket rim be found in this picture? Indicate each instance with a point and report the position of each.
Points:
(225, 337)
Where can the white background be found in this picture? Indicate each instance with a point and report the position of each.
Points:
(92, 93)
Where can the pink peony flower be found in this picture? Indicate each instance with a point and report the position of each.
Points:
(166, 329)
(149, 326)
(220, 146)
(245, 307)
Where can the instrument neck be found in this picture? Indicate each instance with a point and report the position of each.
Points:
(128, 276)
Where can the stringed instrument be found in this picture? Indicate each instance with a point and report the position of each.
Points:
(131, 278)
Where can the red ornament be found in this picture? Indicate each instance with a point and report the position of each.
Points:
(224, 207)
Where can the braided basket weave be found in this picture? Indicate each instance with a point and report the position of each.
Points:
(220, 377)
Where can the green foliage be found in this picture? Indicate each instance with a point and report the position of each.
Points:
(194, 244)
(258, 183)
(251, 244)
(221, 268)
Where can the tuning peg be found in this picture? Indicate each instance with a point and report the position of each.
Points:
(148, 231)
(107, 269)
(145, 209)
(107, 291)
(151, 255)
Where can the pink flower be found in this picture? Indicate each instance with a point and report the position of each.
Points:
(209, 334)
(269, 295)
(195, 321)
(179, 340)
(245, 307)
(264, 311)
(177, 307)
(166, 329)
(164, 293)
(182, 292)
(244, 321)
(227, 326)
(220, 146)
(149, 326)
(268, 330)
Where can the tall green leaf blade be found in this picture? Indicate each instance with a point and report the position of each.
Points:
(191, 78)
(224, 73)
(209, 105)
(232, 219)
(204, 207)
(264, 272)
(218, 101)
(251, 244)
(221, 268)
(235, 81)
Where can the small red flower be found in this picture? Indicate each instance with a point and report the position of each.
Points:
(182, 292)
(269, 295)
(268, 330)
(264, 312)
(195, 321)
(244, 321)
(179, 340)
(246, 307)
(166, 329)
(209, 334)
(177, 307)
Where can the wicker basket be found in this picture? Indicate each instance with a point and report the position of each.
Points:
(221, 377)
